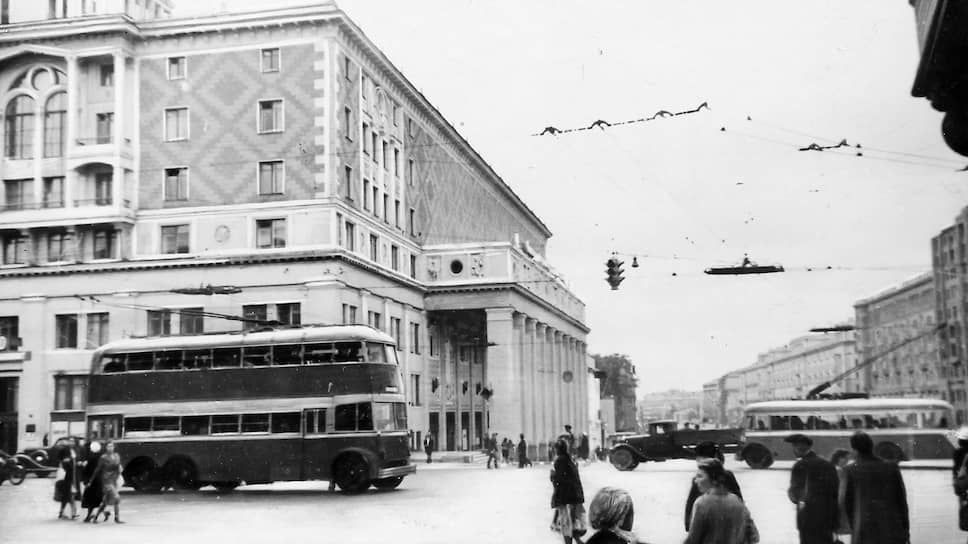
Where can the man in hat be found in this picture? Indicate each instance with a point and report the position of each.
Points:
(875, 499)
(704, 451)
(813, 488)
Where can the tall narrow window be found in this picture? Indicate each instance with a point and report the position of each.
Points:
(57, 246)
(270, 233)
(105, 124)
(413, 222)
(348, 123)
(97, 330)
(395, 258)
(289, 313)
(54, 113)
(374, 246)
(176, 184)
(270, 60)
(176, 124)
(14, 249)
(10, 329)
(386, 208)
(65, 328)
(159, 322)
(270, 116)
(271, 178)
(366, 194)
(396, 162)
(176, 68)
(350, 236)
(415, 338)
(103, 188)
(348, 183)
(366, 141)
(19, 123)
(54, 192)
(395, 331)
(376, 199)
(104, 243)
(413, 266)
(374, 139)
(107, 74)
(396, 213)
(385, 155)
(174, 239)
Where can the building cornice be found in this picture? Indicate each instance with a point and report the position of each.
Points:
(514, 288)
(917, 282)
(72, 27)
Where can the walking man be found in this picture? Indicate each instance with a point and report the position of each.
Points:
(492, 452)
(875, 500)
(523, 452)
(813, 488)
(428, 446)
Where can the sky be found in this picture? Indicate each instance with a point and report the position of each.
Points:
(697, 190)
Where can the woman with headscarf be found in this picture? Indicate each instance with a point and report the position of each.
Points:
(65, 489)
(719, 517)
(568, 497)
(611, 514)
(93, 494)
(109, 470)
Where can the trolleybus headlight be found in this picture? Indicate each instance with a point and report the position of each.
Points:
(95, 446)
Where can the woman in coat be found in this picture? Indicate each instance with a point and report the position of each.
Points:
(93, 494)
(719, 517)
(65, 489)
(875, 500)
(568, 497)
(839, 460)
(109, 470)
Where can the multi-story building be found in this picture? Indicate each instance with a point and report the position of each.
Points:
(885, 324)
(950, 270)
(279, 152)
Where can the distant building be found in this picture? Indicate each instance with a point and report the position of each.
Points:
(890, 318)
(619, 385)
(709, 406)
(682, 406)
(950, 270)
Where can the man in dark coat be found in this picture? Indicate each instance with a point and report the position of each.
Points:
(876, 501)
(428, 446)
(709, 450)
(523, 452)
(813, 488)
(492, 451)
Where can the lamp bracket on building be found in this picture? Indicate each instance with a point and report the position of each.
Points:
(208, 290)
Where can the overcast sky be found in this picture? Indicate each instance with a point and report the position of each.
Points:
(682, 193)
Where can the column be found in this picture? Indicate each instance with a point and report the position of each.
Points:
(541, 433)
(554, 381)
(531, 391)
(117, 178)
(571, 400)
(521, 400)
(585, 379)
(70, 131)
(500, 370)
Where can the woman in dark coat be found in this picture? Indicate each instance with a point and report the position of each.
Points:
(568, 497)
(93, 492)
(64, 489)
(875, 499)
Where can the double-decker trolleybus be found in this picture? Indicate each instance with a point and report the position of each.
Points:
(309, 403)
(903, 429)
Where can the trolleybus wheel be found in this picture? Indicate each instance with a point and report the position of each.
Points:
(889, 451)
(143, 476)
(225, 487)
(757, 456)
(181, 473)
(623, 459)
(388, 483)
(351, 473)
(17, 475)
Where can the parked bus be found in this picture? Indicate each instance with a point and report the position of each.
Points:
(902, 429)
(309, 403)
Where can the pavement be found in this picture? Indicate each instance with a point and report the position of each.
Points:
(442, 503)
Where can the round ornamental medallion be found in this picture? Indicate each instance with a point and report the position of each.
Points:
(567, 376)
(222, 233)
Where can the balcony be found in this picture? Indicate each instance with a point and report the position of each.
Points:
(99, 149)
(56, 214)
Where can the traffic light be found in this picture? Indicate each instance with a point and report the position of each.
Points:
(614, 272)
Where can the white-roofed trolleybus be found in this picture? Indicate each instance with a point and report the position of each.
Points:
(903, 429)
(309, 403)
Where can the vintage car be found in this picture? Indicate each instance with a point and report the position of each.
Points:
(49, 455)
(664, 440)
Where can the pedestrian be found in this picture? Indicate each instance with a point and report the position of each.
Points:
(583, 447)
(65, 488)
(551, 450)
(505, 450)
(719, 517)
(875, 498)
(704, 451)
(523, 452)
(108, 470)
(813, 489)
(492, 452)
(959, 474)
(93, 494)
(568, 496)
(428, 446)
(611, 514)
(839, 460)
(570, 438)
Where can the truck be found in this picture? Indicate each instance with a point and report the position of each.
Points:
(664, 440)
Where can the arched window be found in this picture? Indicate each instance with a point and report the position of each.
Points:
(20, 128)
(54, 114)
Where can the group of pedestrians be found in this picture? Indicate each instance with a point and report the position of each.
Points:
(865, 499)
(508, 449)
(92, 479)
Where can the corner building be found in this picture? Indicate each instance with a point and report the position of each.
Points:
(279, 152)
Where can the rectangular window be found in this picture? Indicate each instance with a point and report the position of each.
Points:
(176, 68)
(373, 141)
(17, 193)
(225, 424)
(54, 192)
(374, 244)
(288, 422)
(270, 233)
(374, 319)
(395, 258)
(103, 188)
(272, 177)
(255, 423)
(415, 338)
(65, 327)
(364, 86)
(413, 266)
(97, 330)
(191, 321)
(270, 116)
(354, 417)
(413, 222)
(350, 236)
(57, 243)
(347, 67)
(14, 249)
(176, 124)
(10, 329)
(348, 123)
(396, 213)
(366, 194)
(414, 392)
(107, 75)
(159, 322)
(386, 209)
(339, 230)
(70, 392)
(105, 127)
(366, 141)
(348, 183)
(315, 420)
(395, 331)
(432, 341)
(396, 114)
(176, 184)
(385, 155)
(410, 171)
(349, 314)
(55, 114)
(270, 60)
(396, 162)
(174, 239)
(104, 239)
(411, 129)
(376, 198)
(256, 314)
(289, 313)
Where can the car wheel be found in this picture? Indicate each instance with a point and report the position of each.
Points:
(757, 456)
(225, 487)
(623, 460)
(388, 483)
(17, 475)
(352, 473)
